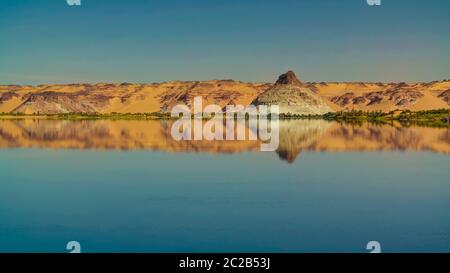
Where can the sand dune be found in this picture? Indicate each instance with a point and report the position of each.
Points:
(160, 97)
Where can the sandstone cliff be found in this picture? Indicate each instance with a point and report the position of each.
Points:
(160, 97)
(293, 97)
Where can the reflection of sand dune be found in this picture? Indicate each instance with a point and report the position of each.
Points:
(295, 136)
(107, 134)
(369, 137)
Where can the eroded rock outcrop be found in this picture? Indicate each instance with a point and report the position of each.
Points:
(292, 97)
(445, 96)
(295, 96)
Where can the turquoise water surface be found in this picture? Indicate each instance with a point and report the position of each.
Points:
(141, 201)
(126, 186)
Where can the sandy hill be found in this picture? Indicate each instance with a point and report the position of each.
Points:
(160, 97)
(384, 96)
(293, 97)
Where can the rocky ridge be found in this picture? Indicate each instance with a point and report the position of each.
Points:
(293, 95)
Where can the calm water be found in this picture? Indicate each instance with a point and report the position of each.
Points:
(126, 186)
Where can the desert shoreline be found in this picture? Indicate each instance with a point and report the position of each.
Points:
(437, 117)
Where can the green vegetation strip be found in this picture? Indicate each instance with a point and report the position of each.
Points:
(435, 118)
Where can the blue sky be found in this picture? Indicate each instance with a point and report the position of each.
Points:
(48, 41)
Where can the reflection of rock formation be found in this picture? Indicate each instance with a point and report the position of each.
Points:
(445, 137)
(369, 137)
(297, 135)
(108, 134)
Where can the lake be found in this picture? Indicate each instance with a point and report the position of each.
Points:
(127, 186)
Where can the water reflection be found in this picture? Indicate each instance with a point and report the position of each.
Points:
(295, 136)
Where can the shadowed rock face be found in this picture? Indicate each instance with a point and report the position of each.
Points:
(292, 98)
(288, 78)
(399, 97)
(293, 95)
(59, 102)
(345, 99)
(7, 96)
(445, 96)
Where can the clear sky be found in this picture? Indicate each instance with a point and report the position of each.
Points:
(47, 41)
